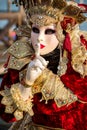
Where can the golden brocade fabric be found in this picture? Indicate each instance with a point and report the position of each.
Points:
(21, 53)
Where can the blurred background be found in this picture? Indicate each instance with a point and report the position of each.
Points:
(11, 16)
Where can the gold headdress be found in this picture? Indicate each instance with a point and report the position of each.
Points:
(45, 12)
(38, 10)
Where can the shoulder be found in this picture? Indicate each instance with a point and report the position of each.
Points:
(20, 54)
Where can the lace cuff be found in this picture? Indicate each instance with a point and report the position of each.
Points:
(14, 102)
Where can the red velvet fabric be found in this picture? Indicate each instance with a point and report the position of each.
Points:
(72, 117)
(83, 6)
(83, 41)
(10, 78)
(67, 43)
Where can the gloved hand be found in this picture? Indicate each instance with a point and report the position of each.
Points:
(26, 93)
(34, 70)
(35, 67)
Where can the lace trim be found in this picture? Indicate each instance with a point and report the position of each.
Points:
(14, 103)
(79, 59)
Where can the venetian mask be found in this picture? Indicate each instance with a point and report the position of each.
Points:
(44, 37)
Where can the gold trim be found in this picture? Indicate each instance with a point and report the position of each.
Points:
(53, 90)
(42, 127)
(20, 103)
(21, 52)
(79, 56)
(53, 8)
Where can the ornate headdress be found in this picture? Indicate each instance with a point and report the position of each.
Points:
(45, 12)
(37, 11)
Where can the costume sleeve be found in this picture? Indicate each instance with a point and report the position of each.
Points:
(11, 77)
(75, 82)
(72, 79)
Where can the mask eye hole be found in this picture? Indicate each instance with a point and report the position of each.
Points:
(35, 30)
(49, 31)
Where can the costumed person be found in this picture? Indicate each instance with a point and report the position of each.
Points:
(45, 87)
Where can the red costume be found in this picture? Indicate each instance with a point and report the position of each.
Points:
(71, 116)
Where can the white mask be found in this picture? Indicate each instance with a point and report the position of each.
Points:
(44, 36)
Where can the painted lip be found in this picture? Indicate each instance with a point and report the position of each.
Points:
(42, 46)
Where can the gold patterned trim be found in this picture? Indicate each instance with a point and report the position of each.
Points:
(18, 64)
(21, 52)
(8, 101)
(14, 103)
(79, 58)
(53, 8)
(21, 49)
(34, 126)
(21, 104)
(51, 87)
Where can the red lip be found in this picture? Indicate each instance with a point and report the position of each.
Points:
(41, 46)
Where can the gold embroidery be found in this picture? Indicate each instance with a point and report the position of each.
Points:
(10, 108)
(8, 101)
(18, 114)
(34, 126)
(79, 57)
(20, 103)
(21, 53)
(51, 87)
(18, 64)
(14, 102)
(21, 49)
(53, 9)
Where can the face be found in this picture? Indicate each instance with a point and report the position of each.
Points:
(44, 37)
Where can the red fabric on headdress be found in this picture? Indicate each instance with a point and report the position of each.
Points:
(83, 41)
(66, 21)
(67, 43)
(64, 24)
(84, 7)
